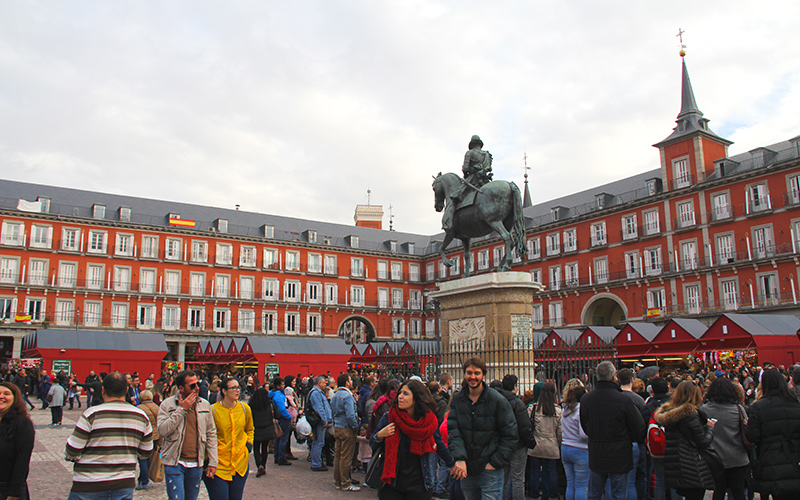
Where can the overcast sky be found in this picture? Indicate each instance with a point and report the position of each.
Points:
(297, 108)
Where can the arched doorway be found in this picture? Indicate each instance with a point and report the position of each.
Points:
(604, 309)
(356, 330)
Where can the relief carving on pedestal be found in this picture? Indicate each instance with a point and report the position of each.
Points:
(467, 330)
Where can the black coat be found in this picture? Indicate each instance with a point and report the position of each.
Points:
(613, 423)
(773, 427)
(687, 435)
(262, 422)
(481, 433)
(652, 404)
(524, 427)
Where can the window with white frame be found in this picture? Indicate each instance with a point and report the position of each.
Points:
(629, 228)
(414, 328)
(149, 247)
(413, 272)
(651, 222)
(796, 235)
(247, 320)
(222, 320)
(356, 295)
(397, 298)
(222, 286)
(196, 318)
(67, 274)
(652, 261)
(147, 316)
(9, 269)
(455, 269)
(656, 302)
(759, 197)
(170, 318)
(555, 278)
(599, 236)
(314, 293)
(246, 287)
(498, 253)
(571, 279)
(483, 259)
(315, 263)
(570, 240)
(722, 206)
(692, 300)
(689, 255)
(314, 323)
(269, 231)
(271, 258)
(197, 284)
(292, 322)
(70, 239)
(793, 189)
(729, 291)
(430, 327)
(383, 298)
(553, 244)
(726, 253)
(331, 293)
(224, 255)
(247, 256)
(601, 270)
(98, 211)
(119, 315)
(147, 280)
(37, 275)
(13, 233)
(383, 270)
(768, 294)
(330, 265)
(397, 271)
(356, 267)
(41, 236)
(555, 314)
(430, 270)
(7, 308)
(292, 260)
(537, 318)
(125, 214)
(97, 241)
(415, 299)
(172, 282)
(92, 313)
(353, 241)
(173, 249)
(763, 245)
(685, 214)
(681, 173)
(35, 308)
(536, 275)
(442, 269)
(270, 322)
(398, 327)
(632, 264)
(291, 291)
(269, 289)
(534, 248)
(124, 244)
(65, 312)
(122, 279)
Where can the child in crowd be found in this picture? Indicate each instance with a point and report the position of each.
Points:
(364, 449)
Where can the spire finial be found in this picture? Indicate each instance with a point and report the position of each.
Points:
(391, 217)
(526, 167)
(683, 46)
(369, 196)
(526, 198)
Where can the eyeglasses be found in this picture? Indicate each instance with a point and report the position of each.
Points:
(193, 386)
(234, 388)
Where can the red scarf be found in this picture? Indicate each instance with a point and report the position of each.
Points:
(420, 431)
(383, 399)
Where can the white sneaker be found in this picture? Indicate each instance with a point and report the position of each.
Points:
(351, 487)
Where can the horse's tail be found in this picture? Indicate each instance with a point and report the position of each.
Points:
(518, 229)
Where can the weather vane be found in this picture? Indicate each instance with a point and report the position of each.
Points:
(526, 167)
(683, 46)
(391, 217)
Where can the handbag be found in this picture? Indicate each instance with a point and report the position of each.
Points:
(375, 469)
(742, 422)
(156, 472)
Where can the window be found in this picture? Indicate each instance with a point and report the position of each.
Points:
(629, 229)
(397, 271)
(357, 296)
(35, 308)
(397, 298)
(768, 294)
(763, 245)
(483, 259)
(313, 323)
(534, 249)
(383, 270)
(197, 285)
(122, 279)
(398, 327)
(271, 258)
(314, 293)
(65, 312)
(247, 320)
(537, 318)
(314, 263)
(312, 236)
(199, 251)
(173, 249)
(224, 254)
(150, 247)
(119, 315)
(651, 223)
(689, 255)
(38, 273)
(725, 248)
(414, 299)
(730, 294)
(67, 273)
(292, 322)
(554, 313)
(682, 175)
(430, 268)
(759, 198)
(196, 318)
(414, 327)
(570, 241)
(685, 214)
(124, 214)
(553, 244)
(555, 278)
(536, 275)
(7, 308)
(793, 191)
(656, 302)
(171, 318)
(9, 270)
(147, 316)
(652, 261)
(98, 211)
(442, 269)
(172, 282)
(246, 286)
(330, 265)
(599, 236)
(331, 293)
(692, 298)
(97, 241)
(269, 289)
(455, 269)
(69, 239)
(124, 244)
(41, 236)
(571, 279)
(632, 264)
(13, 233)
(601, 270)
(269, 231)
(383, 298)
(270, 322)
(722, 206)
(222, 286)
(430, 327)
(354, 242)
(147, 280)
(411, 248)
(92, 313)
(413, 272)
(290, 291)
(222, 225)
(499, 253)
(222, 320)
(356, 267)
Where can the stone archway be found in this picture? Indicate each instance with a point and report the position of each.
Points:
(356, 330)
(604, 309)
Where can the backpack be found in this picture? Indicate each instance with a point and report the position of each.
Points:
(656, 439)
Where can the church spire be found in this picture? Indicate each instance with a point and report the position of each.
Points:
(688, 103)
(526, 199)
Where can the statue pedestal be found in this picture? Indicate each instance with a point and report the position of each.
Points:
(489, 316)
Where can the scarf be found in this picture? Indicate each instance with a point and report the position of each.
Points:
(420, 431)
(386, 398)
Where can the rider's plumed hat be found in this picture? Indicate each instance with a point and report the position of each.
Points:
(475, 140)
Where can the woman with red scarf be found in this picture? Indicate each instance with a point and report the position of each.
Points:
(410, 432)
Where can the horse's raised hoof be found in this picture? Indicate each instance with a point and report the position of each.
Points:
(448, 262)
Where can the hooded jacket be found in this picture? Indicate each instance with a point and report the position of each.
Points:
(687, 435)
(773, 427)
(524, 428)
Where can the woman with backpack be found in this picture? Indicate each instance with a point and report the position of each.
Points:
(546, 418)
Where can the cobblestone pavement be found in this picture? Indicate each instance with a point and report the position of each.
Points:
(50, 475)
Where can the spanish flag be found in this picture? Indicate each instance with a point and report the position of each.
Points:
(181, 222)
(22, 317)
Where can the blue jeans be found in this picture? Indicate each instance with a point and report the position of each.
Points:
(619, 485)
(280, 443)
(316, 446)
(220, 489)
(488, 485)
(439, 472)
(144, 472)
(544, 477)
(632, 493)
(121, 494)
(576, 467)
(183, 483)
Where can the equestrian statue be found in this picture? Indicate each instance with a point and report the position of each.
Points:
(475, 205)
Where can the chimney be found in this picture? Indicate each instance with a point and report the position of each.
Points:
(369, 216)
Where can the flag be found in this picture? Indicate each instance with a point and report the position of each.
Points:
(181, 222)
(22, 317)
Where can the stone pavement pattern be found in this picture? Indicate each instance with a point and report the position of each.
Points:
(50, 475)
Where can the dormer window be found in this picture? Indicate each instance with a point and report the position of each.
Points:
(599, 201)
(268, 231)
(411, 248)
(98, 211)
(312, 236)
(353, 241)
(45, 204)
(393, 246)
(651, 187)
(124, 214)
(555, 214)
(222, 225)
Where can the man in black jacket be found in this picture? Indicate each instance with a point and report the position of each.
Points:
(520, 455)
(483, 435)
(614, 424)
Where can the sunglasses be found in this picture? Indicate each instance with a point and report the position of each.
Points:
(194, 386)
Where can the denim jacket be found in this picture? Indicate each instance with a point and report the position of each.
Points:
(343, 407)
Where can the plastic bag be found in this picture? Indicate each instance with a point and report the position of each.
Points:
(303, 427)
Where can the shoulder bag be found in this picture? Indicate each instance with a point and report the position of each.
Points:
(375, 468)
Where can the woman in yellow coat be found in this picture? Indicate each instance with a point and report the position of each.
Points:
(234, 422)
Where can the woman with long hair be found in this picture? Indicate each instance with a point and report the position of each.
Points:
(382, 405)
(261, 406)
(773, 428)
(574, 444)
(546, 416)
(410, 433)
(16, 443)
(234, 422)
(291, 407)
(723, 405)
(688, 438)
(151, 410)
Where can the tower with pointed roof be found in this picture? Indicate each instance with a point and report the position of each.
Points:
(688, 154)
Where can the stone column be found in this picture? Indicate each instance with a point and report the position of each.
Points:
(182, 352)
(17, 348)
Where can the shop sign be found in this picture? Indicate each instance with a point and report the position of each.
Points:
(271, 370)
(60, 365)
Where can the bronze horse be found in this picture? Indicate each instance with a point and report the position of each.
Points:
(497, 207)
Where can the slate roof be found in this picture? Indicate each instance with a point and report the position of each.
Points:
(692, 326)
(298, 345)
(646, 330)
(102, 340)
(767, 324)
(606, 333)
(567, 335)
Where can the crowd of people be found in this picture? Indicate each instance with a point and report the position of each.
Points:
(734, 431)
